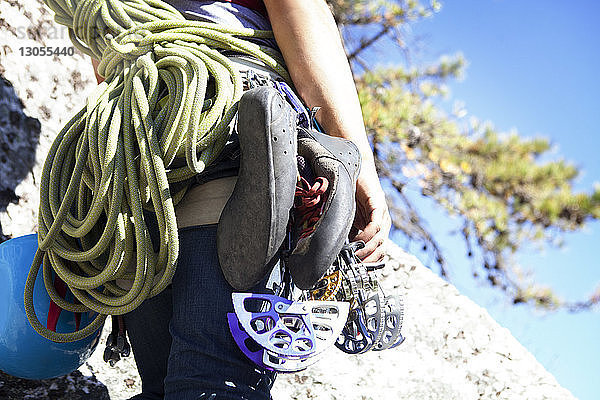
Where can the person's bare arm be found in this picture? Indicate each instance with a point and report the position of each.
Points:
(311, 45)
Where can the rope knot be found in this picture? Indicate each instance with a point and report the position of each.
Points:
(127, 47)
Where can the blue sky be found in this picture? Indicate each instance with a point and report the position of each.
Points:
(533, 66)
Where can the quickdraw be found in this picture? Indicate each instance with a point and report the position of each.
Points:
(375, 320)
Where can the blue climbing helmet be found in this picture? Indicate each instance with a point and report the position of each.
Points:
(23, 352)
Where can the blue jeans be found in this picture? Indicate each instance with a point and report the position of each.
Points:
(181, 339)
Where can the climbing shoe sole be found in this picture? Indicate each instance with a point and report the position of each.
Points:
(253, 223)
(338, 160)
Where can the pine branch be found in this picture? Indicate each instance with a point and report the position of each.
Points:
(369, 42)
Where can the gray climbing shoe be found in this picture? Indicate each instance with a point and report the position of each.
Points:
(254, 222)
(325, 208)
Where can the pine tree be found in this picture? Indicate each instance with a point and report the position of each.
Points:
(494, 182)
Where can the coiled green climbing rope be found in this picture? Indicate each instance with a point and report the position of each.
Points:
(151, 124)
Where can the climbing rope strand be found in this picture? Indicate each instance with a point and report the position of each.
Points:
(163, 114)
(90, 329)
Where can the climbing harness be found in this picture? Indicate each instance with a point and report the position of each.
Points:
(124, 160)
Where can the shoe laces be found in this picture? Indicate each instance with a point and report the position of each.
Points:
(309, 203)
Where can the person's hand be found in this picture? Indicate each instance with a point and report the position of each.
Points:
(372, 220)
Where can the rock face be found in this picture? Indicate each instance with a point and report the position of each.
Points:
(453, 350)
(40, 93)
(19, 135)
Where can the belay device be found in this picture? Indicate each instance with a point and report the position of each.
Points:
(288, 330)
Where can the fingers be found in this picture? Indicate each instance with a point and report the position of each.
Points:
(374, 236)
(373, 250)
(372, 221)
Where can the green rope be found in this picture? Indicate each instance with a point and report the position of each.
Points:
(151, 124)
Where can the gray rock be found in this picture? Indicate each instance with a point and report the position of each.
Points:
(19, 136)
(74, 386)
